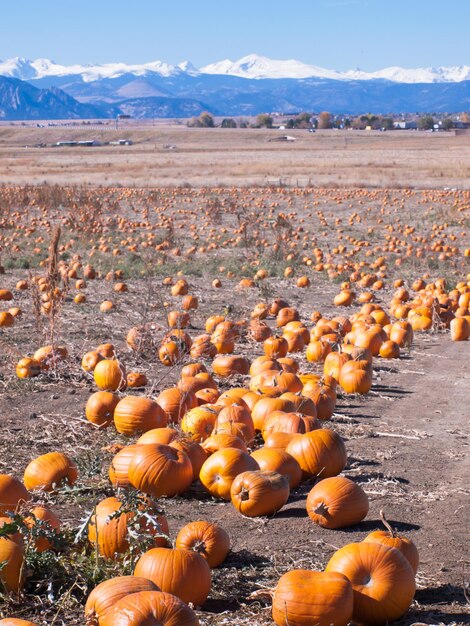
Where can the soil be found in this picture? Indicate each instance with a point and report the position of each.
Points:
(407, 442)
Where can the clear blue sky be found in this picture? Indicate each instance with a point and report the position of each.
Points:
(339, 34)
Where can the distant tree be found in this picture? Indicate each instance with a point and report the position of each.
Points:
(290, 123)
(465, 118)
(347, 122)
(426, 122)
(194, 122)
(205, 120)
(447, 124)
(264, 121)
(387, 123)
(243, 124)
(228, 122)
(324, 120)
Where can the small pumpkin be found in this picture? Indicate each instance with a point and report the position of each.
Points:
(207, 539)
(221, 468)
(48, 471)
(99, 408)
(259, 492)
(136, 414)
(160, 470)
(337, 502)
(110, 375)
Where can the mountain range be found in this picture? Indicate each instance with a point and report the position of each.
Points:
(254, 84)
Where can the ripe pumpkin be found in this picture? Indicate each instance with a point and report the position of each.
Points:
(319, 453)
(135, 414)
(110, 375)
(259, 492)
(196, 453)
(159, 435)
(184, 573)
(160, 470)
(390, 538)
(109, 592)
(49, 521)
(220, 441)
(294, 423)
(382, 580)
(119, 468)
(176, 403)
(110, 531)
(199, 422)
(303, 598)
(99, 408)
(221, 468)
(90, 360)
(150, 608)
(12, 493)
(48, 471)
(230, 365)
(337, 502)
(207, 539)
(278, 460)
(14, 621)
(11, 557)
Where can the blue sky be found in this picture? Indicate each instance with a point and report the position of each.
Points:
(339, 34)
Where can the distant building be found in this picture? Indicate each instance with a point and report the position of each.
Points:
(406, 125)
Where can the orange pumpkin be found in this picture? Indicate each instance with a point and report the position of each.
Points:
(150, 607)
(207, 539)
(221, 468)
(319, 453)
(109, 592)
(160, 470)
(259, 492)
(100, 406)
(136, 414)
(48, 471)
(337, 502)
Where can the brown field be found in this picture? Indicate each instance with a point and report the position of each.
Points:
(407, 439)
(235, 157)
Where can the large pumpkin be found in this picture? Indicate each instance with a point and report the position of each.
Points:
(100, 407)
(109, 592)
(150, 608)
(109, 527)
(319, 453)
(50, 470)
(11, 558)
(110, 375)
(12, 493)
(260, 492)
(208, 539)
(176, 403)
(304, 598)
(183, 573)
(278, 460)
(221, 468)
(382, 580)
(135, 414)
(119, 468)
(337, 502)
(160, 470)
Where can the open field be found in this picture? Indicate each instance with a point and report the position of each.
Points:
(235, 157)
(407, 439)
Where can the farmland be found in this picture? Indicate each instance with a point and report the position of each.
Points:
(217, 231)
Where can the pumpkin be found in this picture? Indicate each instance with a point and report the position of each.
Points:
(278, 440)
(50, 356)
(192, 369)
(175, 403)
(184, 573)
(355, 379)
(459, 329)
(199, 422)
(303, 598)
(278, 460)
(382, 580)
(48, 471)
(136, 380)
(319, 453)
(196, 453)
(48, 520)
(275, 347)
(207, 539)
(265, 406)
(110, 375)
(90, 360)
(12, 493)
(220, 441)
(230, 365)
(28, 368)
(109, 592)
(390, 538)
(11, 558)
(286, 315)
(99, 408)
(221, 468)
(108, 529)
(324, 398)
(150, 608)
(294, 423)
(259, 492)
(169, 353)
(160, 470)
(135, 414)
(119, 468)
(337, 502)
(107, 350)
(159, 435)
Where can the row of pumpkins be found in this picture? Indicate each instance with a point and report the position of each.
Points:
(211, 444)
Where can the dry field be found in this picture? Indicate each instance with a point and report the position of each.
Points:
(236, 157)
(407, 439)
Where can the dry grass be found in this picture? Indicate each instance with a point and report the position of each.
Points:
(235, 157)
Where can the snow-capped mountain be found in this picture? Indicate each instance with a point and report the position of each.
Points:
(249, 67)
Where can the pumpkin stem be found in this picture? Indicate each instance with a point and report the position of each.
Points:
(199, 546)
(387, 525)
(321, 509)
(244, 495)
(262, 593)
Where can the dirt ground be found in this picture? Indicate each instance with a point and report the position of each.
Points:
(176, 155)
(407, 441)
